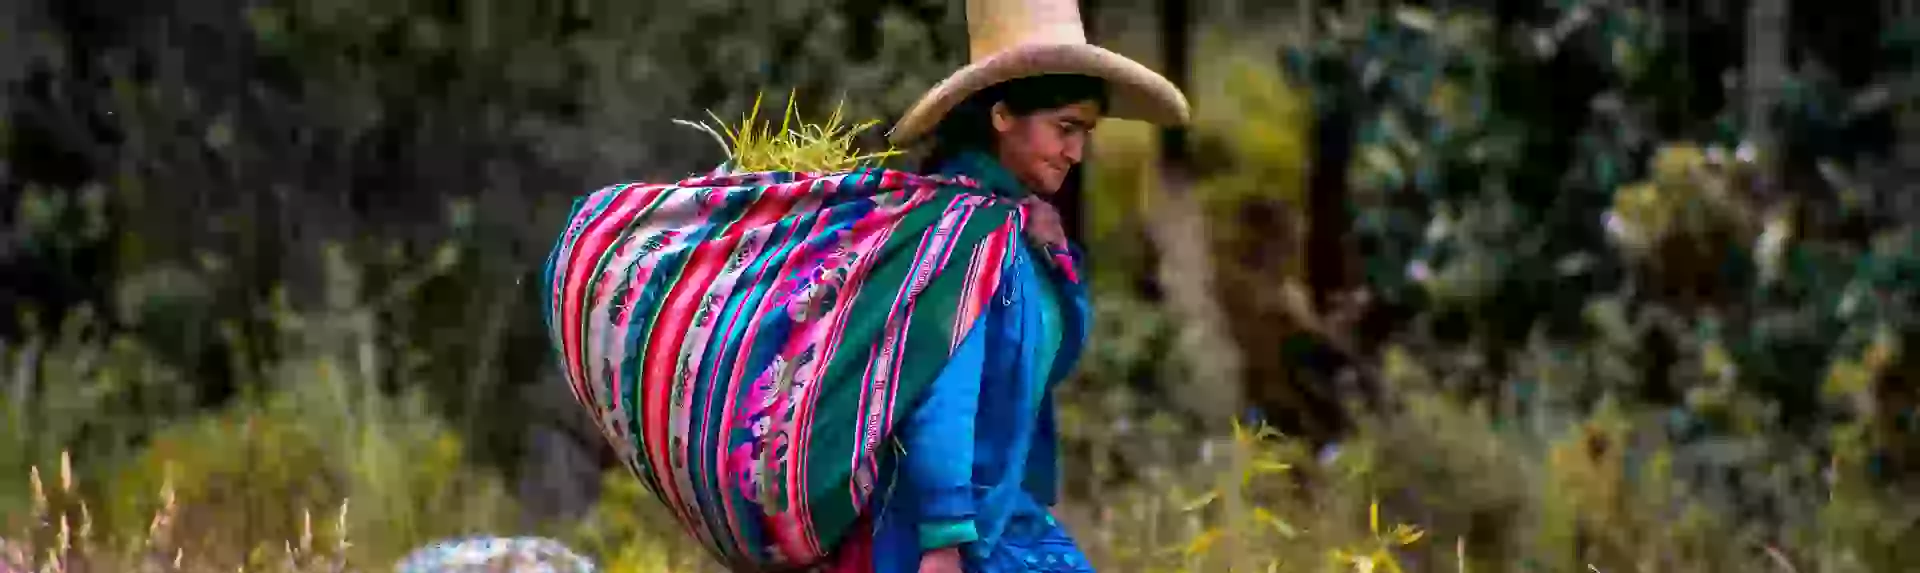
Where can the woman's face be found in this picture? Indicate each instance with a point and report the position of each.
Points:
(1040, 147)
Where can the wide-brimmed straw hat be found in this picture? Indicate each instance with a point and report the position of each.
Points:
(1013, 39)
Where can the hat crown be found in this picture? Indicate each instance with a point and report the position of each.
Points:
(995, 25)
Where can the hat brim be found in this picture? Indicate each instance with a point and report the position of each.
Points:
(1133, 91)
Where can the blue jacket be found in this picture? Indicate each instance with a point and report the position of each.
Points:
(983, 443)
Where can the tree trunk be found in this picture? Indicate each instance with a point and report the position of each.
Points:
(1766, 67)
(1211, 388)
(1178, 230)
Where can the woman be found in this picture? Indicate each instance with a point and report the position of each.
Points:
(976, 469)
(850, 370)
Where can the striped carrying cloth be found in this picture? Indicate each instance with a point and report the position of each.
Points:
(746, 341)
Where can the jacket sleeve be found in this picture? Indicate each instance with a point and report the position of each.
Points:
(939, 438)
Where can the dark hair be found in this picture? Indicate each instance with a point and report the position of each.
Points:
(969, 125)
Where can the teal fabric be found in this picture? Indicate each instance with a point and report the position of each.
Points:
(1051, 329)
(987, 170)
(950, 533)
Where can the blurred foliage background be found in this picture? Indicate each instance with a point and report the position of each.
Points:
(1498, 285)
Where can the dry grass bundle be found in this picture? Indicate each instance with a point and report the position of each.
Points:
(798, 146)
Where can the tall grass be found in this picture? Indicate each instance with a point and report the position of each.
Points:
(243, 484)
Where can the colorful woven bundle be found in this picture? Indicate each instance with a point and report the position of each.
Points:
(746, 341)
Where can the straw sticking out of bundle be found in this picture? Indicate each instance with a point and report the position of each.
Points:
(794, 145)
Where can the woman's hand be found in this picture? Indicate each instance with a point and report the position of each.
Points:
(1043, 224)
(943, 560)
